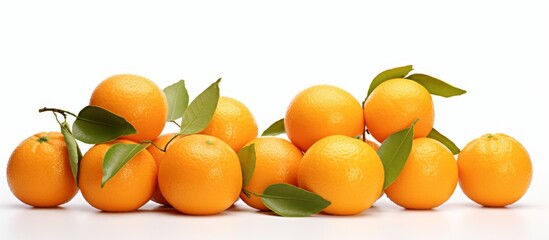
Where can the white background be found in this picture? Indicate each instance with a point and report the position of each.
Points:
(53, 53)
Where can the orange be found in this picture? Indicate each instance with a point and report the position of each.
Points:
(233, 123)
(321, 111)
(277, 161)
(158, 156)
(138, 100)
(396, 104)
(39, 172)
(428, 179)
(494, 170)
(127, 191)
(200, 175)
(343, 170)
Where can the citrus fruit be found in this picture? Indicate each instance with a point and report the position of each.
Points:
(126, 191)
(158, 156)
(343, 170)
(494, 170)
(428, 179)
(233, 123)
(200, 175)
(276, 161)
(394, 105)
(138, 100)
(320, 111)
(39, 172)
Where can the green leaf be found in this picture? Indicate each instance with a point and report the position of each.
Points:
(394, 152)
(178, 100)
(434, 134)
(96, 125)
(276, 128)
(201, 110)
(290, 201)
(246, 155)
(436, 86)
(389, 74)
(117, 156)
(75, 155)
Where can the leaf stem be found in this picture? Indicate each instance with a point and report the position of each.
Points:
(251, 193)
(247, 193)
(57, 119)
(152, 143)
(169, 141)
(64, 124)
(174, 122)
(57, 110)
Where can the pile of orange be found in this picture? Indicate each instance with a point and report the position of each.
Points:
(329, 152)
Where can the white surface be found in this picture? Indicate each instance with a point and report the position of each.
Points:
(454, 220)
(53, 53)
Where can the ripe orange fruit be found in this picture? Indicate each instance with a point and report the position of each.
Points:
(138, 100)
(200, 175)
(321, 111)
(494, 170)
(233, 123)
(277, 161)
(343, 170)
(127, 191)
(394, 105)
(39, 172)
(428, 179)
(158, 157)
